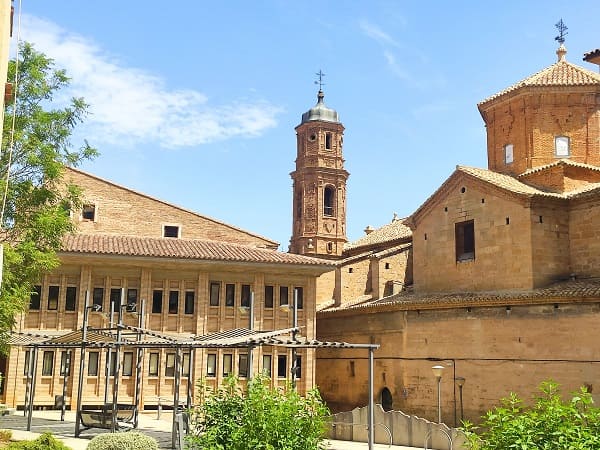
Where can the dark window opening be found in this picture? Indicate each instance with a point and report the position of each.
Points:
(298, 367)
(98, 298)
(245, 295)
(189, 302)
(153, 365)
(229, 294)
(170, 365)
(330, 247)
(171, 231)
(71, 298)
(65, 363)
(173, 302)
(48, 363)
(227, 364)
(132, 299)
(34, 298)
(214, 294)
(157, 296)
(266, 365)
(387, 265)
(328, 141)
(53, 292)
(93, 358)
(268, 296)
(328, 201)
(115, 298)
(281, 366)
(88, 212)
(508, 221)
(299, 205)
(211, 365)
(386, 399)
(283, 295)
(541, 219)
(463, 190)
(465, 240)
(299, 293)
(185, 364)
(243, 365)
(350, 270)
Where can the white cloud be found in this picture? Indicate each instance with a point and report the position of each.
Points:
(377, 34)
(130, 106)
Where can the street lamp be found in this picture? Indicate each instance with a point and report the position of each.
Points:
(437, 373)
(461, 382)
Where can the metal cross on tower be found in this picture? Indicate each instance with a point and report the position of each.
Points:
(320, 74)
(562, 32)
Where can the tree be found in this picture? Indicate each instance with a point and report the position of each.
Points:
(549, 424)
(264, 418)
(34, 201)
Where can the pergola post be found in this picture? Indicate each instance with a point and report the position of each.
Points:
(108, 355)
(371, 418)
(29, 378)
(138, 366)
(32, 390)
(81, 363)
(115, 396)
(176, 383)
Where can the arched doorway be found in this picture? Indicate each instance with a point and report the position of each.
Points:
(386, 399)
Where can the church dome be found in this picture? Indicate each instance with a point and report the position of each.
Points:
(320, 112)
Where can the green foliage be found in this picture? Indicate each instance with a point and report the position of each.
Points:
(44, 442)
(36, 210)
(549, 424)
(130, 440)
(263, 418)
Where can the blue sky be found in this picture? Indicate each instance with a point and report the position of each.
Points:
(195, 102)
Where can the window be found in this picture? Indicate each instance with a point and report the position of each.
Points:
(266, 365)
(71, 298)
(170, 365)
(211, 365)
(298, 367)
(229, 294)
(387, 402)
(268, 296)
(299, 293)
(93, 364)
(227, 364)
(173, 302)
(26, 365)
(131, 299)
(508, 153)
(281, 366)
(113, 364)
(115, 298)
(53, 292)
(157, 301)
(88, 212)
(65, 363)
(299, 205)
(214, 294)
(465, 240)
(171, 231)
(189, 302)
(153, 365)
(48, 363)
(246, 295)
(328, 141)
(127, 364)
(328, 201)
(243, 365)
(34, 298)
(185, 364)
(283, 295)
(98, 297)
(562, 146)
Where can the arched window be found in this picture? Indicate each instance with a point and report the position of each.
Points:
(328, 201)
(386, 399)
(299, 204)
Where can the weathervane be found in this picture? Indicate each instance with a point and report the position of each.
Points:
(562, 32)
(320, 74)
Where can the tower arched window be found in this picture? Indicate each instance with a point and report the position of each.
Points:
(328, 201)
(299, 205)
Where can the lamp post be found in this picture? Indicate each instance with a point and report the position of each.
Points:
(437, 373)
(460, 381)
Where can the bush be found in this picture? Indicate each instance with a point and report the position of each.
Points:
(261, 419)
(44, 442)
(130, 440)
(5, 435)
(549, 424)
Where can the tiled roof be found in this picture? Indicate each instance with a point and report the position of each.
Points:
(560, 162)
(504, 181)
(561, 73)
(560, 292)
(179, 248)
(393, 231)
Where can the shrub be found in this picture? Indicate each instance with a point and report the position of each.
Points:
(263, 418)
(123, 441)
(550, 423)
(5, 435)
(44, 442)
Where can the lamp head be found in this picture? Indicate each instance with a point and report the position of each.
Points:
(460, 381)
(437, 371)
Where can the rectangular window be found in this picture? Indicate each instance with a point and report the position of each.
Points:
(48, 363)
(98, 297)
(189, 302)
(173, 302)
(508, 153)
(93, 358)
(298, 367)
(34, 298)
(562, 146)
(185, 364)
(299, 293)
(266, 365)
(243, 365)
(53, 292)
(132, 296)
(127, 364)
(170, 365)
(268, 296)
(88, 212)
(113, 364)
(211, 365)
(465, 240)
(65, 363)
(157, 301)
(26, 365)
(115, 298)
(227, 364)
(214, 294)
(153, 365)
(283, 295)
(328, 141)
(71, 298)
(171, 231)
(246, 295)
(229, 294)
(281, 366)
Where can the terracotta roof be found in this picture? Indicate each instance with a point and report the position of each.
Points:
(393, 231)
(561, 73)
(189, 249)
(504, 181)
(560, 162)
(560, 292)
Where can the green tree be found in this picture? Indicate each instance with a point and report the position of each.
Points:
(35, 204)
(549, 424)
(263, 418)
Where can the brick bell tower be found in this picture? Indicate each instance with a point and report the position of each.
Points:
(319, 184)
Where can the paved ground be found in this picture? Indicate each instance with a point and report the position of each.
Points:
(160, 429)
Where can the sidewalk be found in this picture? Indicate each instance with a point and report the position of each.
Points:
(160, 429)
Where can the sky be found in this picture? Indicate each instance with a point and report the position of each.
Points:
(195, 102)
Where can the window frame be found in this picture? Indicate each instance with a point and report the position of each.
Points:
(269, 298)
(229, 295)
(464, 237)
(98, 297)
(171, 231)
(562, 138)
(214, 293)
(96, 357)
(35, 304)
(173, 302)
(211, 365)
(170, 365)
(64, 356)
(86, 209)
(283, 289)
(329, 201)
(157, 304)
(509, 155)
(189, 302)
(71, 298)
(267, 367)
(53, 296)
(153, 364)
(282, 366)
(243, 365)
(227, 364)
(48, 363)
(127, 370)
(246, 293)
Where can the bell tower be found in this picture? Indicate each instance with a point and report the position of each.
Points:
(319, 184)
